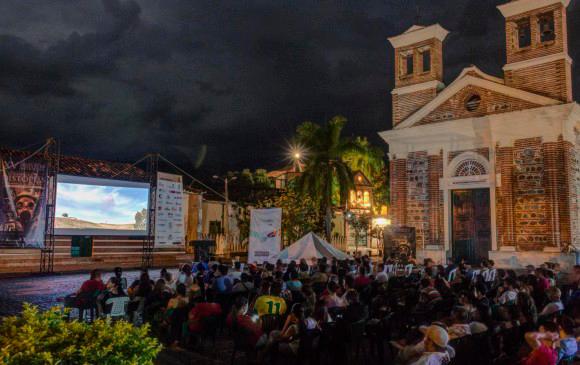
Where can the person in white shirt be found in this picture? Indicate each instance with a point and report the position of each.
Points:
(382, 276)
(509, 294)
(436, 338)
(555, 304)
(436, 349)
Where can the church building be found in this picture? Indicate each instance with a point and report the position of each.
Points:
(489, 166)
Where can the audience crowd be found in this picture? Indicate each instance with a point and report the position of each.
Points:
(355, 311)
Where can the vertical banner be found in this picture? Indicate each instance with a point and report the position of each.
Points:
(169, 227)
(22, 201)
(265, 234)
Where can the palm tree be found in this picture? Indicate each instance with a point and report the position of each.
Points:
(367, 158)
(327, 178)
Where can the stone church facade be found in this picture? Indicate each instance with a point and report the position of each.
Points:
(487, 166)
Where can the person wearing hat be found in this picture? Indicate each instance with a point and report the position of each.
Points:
(434, 345)
(436, 349)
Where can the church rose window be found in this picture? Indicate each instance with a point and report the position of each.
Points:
(472, 103)
(470, 168)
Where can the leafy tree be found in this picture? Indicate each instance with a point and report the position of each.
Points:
(327, 178)
(300, 215)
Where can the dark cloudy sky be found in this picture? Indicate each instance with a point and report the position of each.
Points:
(227, 79)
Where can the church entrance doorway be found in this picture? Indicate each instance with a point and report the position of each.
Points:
(471, 225)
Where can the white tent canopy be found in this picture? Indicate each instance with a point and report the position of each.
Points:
(308, 247)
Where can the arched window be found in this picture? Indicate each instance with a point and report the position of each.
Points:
(470, 167)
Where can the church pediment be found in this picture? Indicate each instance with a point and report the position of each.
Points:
(474, 94)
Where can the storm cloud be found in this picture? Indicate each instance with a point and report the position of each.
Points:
(229, 80)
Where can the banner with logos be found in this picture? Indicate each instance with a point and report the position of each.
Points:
(23, 183)
(265, 234)
(169, 226)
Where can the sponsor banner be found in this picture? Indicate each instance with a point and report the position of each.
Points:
(169, 226)
(265, 234)
(22, 201)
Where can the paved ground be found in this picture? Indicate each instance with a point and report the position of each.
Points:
(44, 291)
(48, 291)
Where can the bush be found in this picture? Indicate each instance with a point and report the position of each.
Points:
(39, 338)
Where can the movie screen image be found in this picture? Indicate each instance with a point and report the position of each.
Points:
(89, 206)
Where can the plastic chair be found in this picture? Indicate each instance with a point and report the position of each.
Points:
(451, 275)
(119, 307)
(489, 275)
(87, 305)
(408, 270)
(474, 275)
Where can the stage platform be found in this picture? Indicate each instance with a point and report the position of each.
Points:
(106, 254)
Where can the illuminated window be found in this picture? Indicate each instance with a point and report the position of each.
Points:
(470, 168)
(366, 199)
(352, 197)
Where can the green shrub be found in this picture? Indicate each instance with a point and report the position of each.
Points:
(47, 338)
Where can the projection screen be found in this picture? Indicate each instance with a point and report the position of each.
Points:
(100, 207)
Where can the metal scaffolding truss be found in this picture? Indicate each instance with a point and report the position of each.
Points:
(52, 157)
(149, 240)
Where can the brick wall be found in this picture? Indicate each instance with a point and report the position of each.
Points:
(531, 213)
(436, 72)
(398, 193)
(536, 202)
(549, 79)
(573, 157)
(416, 199)
(436, 208)
(536, 49)
(491, 103)
(504, 197)
(406, 104)
(552, 79)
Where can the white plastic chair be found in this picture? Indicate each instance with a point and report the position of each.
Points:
(408, 269)
(119, 307)
(474, 275)
(489, 275)
(451, 275)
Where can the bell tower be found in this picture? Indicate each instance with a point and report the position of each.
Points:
(418, 68)
(537, 47)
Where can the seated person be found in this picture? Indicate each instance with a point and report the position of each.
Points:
(200, 312)
(94, 285)
(332, 299)
(180, 299)
(433, 347)
(223, 283)
(555, 305)
(567, 346)
(271, 303)
(288, 339)
(460, 327)
(294, 284)
(244, 285)
(508, 292)
(355, 311)
(114, 290)
(251, 328)
(122, 280)
(362, 280)
(543, 345)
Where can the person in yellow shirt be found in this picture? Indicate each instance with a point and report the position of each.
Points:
(271, 303)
